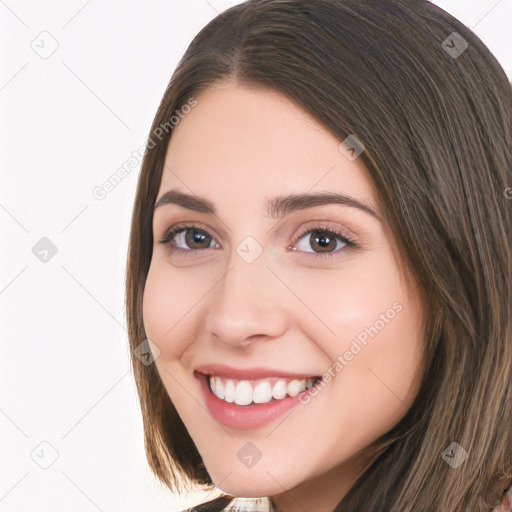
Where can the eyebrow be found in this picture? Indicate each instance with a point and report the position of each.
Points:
(275, 207)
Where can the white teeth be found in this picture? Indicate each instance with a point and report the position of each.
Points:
(295, 387)
(262, 393)
(243, 393)
(229, 391)
(219, 387)
(279, 389)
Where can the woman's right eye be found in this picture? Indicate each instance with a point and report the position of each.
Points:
(188, 238)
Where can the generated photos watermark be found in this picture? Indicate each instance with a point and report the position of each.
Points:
(132, 162)
(356, 346)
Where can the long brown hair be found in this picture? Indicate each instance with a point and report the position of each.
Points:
(433, 110)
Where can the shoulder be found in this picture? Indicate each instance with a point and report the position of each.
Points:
(232, 504)
(219, 504)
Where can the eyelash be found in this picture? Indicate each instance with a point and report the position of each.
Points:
(349, 242)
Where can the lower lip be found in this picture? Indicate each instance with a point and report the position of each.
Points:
(244, 417)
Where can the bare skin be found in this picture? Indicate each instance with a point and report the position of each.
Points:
(289, 309)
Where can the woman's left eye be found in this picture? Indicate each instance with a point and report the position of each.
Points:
(323, 242)
(326, 241)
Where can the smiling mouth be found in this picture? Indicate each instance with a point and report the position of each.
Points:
(259, 391)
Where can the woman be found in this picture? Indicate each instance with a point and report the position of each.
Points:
(319, 273)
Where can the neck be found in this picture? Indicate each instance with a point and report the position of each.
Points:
(321, 493)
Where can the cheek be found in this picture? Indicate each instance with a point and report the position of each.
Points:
(166, 301)
(376, 342)
(350, 300)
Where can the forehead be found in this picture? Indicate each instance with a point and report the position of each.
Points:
(252, 141)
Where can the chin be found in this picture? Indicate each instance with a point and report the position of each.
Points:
(250, 483)
(246, 490)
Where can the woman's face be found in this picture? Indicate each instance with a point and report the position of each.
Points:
(261, 291)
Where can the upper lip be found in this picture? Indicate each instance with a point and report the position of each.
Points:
(252, 373)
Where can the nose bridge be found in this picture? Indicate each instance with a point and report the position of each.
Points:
(244, 303)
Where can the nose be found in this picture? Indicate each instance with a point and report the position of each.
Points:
(247, 306)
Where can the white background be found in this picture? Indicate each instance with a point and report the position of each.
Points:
(67, 123)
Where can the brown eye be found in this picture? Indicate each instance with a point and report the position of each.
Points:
(322, 241)
(189, 238)
(196, 239)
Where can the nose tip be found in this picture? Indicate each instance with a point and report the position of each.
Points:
(243, 326)
(243, 308)
(240, 341)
